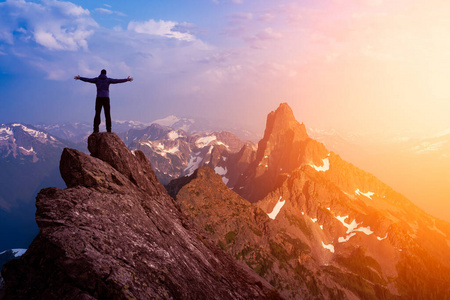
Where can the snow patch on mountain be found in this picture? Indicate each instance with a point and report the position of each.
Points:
(205, 141)
(365, 230)
(28, 151)
(5, 133)
(380, 238)
(32, 132)
(173, 135)
(329, 247)
(368, 194)
(276, 209)
(342, 239)
(352, 228)
(325, 165)
(220, 170)
(225, 180)
(173, 150)
(193, 164)
(167, 121)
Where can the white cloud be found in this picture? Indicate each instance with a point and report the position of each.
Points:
(160, 28)
(47, 39)
(106, 11)
(55, 25)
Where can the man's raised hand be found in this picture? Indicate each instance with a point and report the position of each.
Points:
(130, 78)
(77, 77)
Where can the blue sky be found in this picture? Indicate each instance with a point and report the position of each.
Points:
(366, 65)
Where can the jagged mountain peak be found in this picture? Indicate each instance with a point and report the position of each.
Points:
(281, 124)
(282, 132)
(285, 147)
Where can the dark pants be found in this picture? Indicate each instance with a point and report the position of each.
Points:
(99, 103)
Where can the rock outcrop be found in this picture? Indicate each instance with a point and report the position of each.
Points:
(115, 233)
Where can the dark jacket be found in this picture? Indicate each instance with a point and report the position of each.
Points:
(102, 82)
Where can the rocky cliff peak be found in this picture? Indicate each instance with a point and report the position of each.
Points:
(115, 233)
(284, 148)
(281, 129)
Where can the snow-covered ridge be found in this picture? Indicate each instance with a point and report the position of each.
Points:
(32, 132)
(19, 140)
(205, 141)
(167, 121)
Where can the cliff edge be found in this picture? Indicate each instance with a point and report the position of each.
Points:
(115, 233)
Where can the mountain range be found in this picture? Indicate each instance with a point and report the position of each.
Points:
(331, 221)
(29, 160)
(307, 222)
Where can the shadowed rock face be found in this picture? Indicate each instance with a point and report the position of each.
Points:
(115, 233)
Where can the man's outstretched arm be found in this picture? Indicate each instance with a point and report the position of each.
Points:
(91, 80)
(112, 80)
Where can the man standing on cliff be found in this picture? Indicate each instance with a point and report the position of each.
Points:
(102, 82)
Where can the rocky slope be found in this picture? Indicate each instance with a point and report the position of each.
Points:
(355, 236)
(249, 235)
(115, 233)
